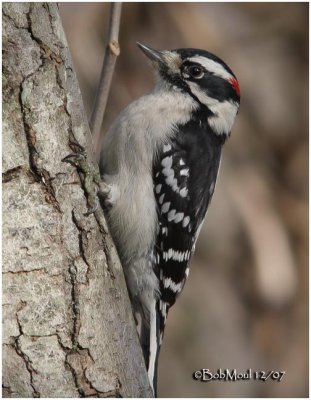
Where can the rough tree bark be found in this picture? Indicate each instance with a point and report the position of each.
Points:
(68, 326)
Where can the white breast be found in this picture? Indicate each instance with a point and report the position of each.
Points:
(127, 157)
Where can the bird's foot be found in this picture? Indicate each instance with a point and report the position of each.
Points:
(89, 174)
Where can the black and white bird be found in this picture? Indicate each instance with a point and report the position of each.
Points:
(160, 161)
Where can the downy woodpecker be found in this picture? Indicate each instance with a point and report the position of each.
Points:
(160, 161)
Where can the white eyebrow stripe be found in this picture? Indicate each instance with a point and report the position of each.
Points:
(212, 66)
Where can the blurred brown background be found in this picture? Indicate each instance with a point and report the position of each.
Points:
(245, 304)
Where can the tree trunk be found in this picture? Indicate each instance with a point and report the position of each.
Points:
(68, 325)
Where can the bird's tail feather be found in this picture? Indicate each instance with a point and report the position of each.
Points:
(151, 338)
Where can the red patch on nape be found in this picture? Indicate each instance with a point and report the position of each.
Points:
(235, 85)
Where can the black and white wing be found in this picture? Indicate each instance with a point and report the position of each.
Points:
(185, 173)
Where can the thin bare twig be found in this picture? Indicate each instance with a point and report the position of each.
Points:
(111, 53)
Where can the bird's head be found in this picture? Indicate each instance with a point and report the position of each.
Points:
(203, 76)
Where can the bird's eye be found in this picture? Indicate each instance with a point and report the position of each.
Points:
(195, 71)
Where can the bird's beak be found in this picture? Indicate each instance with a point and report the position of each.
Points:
(157, 57)
(167, 62)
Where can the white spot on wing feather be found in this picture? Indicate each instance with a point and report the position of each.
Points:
(186, 221)
(184, 172)
(165, 207)
(171, 215)
(158, 188)
(166, 148)
(175, 287)
(167, 162)
(183, 192)
(178, 217)
(176, 255)
(170, 179)
(168, 172)
(164, 231)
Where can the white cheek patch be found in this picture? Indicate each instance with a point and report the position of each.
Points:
(224, 111)
(212, 66)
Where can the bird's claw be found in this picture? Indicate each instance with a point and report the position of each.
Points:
(104, 194)
(91, 178)
(74, 159)
(91, 209)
